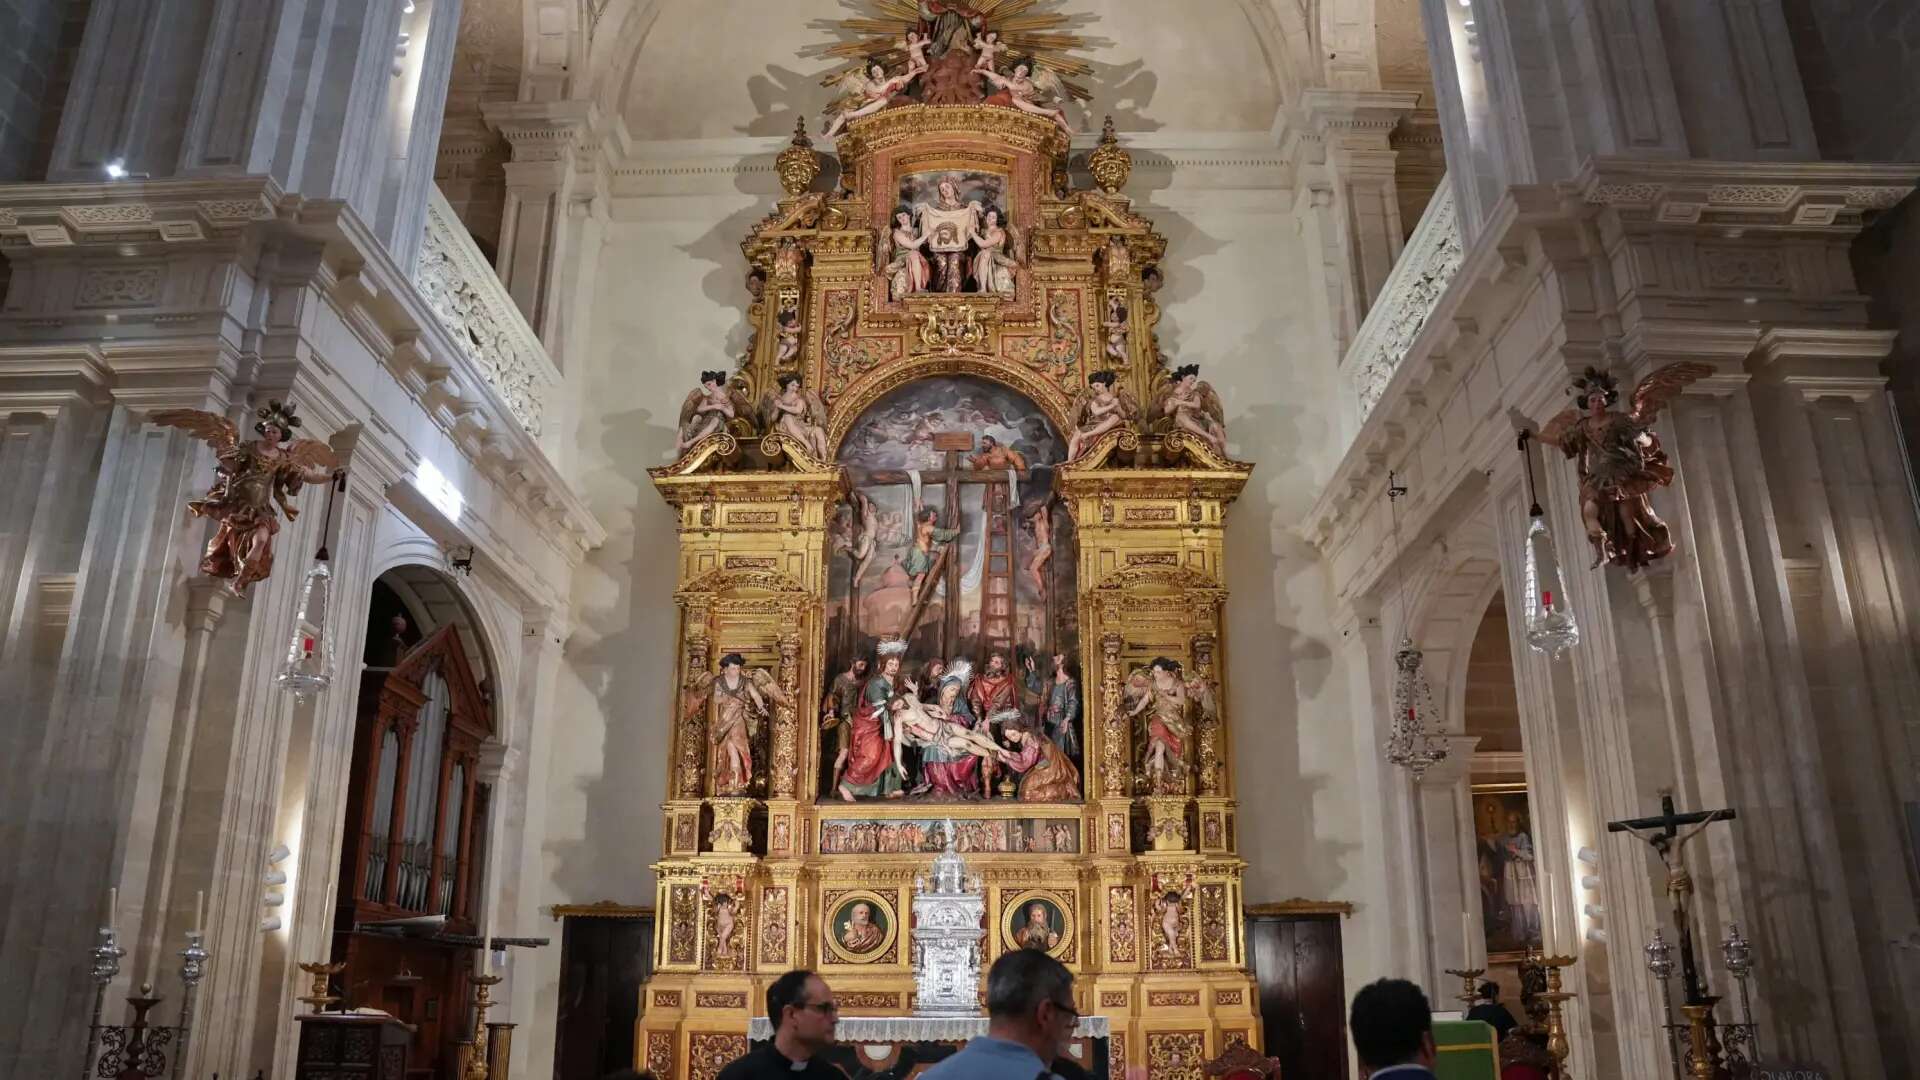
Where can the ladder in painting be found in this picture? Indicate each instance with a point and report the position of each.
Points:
(997, 606)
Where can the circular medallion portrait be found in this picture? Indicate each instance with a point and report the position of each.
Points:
(860, 927)
(1038, 921)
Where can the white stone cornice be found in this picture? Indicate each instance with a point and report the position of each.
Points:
(1742, 194)
(166, 212)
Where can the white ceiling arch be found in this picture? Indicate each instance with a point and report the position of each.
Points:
(708, 69)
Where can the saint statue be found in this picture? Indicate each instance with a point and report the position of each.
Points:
(843, 700)
(874, 766)
(992, 266)
(1166, 704)
(708, 409)
(1097, 410)
(738, 697)
(1059, 703)
(1194, 408)
(798, 413)
(251, 478)
(1046, 773)
(1621, 461)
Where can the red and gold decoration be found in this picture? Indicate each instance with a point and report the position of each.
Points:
(950, 566)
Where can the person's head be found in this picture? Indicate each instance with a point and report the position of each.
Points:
(996, 663)
(861, 915)
(1036, 915)
(788, 382)
(949, 692)
(731, 663)
(1490, 991)
(1513, 821)
(1165, 669)
(890, 665)
(276, 422)
(1022, 69)
(988, 442)
(991, 37)
(1392, 1025)
(903, 219)
(858, 667)
(877, 71)
(803, 1012)
(993, 217)
(1030, 1001)
(949, 190)
(925, 515)
(712, 380)
(1186, 374)
(1101, 380)
(1595, 390)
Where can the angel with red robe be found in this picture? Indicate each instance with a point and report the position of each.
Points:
(1620, 461)
(251, 479)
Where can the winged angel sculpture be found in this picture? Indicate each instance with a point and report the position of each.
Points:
(1193, 406)
(798, 413)
(740, 699)
(1620, 460)
(710, 408)
(249, 480)
(1098, 409)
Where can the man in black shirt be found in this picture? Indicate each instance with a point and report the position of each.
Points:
(803, 1012)
(1489, 1009)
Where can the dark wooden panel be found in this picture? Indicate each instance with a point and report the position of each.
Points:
(1297, 965)
(603, 962)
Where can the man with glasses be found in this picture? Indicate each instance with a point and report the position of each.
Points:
(803, 1012)
(1030, 1021)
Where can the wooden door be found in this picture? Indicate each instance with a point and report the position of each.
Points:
(1296, 962)
(604, 959)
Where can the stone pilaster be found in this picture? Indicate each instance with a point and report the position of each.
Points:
(549, 232)
(1445, 795)
(1347, 164)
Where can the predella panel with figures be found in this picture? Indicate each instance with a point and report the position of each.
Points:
(953, 660)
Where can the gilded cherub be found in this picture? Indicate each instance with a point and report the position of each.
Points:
(798, 413)
(1194, 407)
(250, 479)
(1620, 461)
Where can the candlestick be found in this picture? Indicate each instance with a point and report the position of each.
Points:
(1466, 936)
(486, 947)
(113, 903)
(200, 912)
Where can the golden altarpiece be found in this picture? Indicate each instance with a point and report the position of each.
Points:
(951, 558)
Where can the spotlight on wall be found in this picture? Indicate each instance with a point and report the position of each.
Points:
(116, 169)
(1589, 856)
(407, 9)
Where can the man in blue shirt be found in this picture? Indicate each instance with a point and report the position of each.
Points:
(1030, 1021)
(1393, 1031)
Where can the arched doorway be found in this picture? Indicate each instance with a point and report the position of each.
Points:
(413, 861)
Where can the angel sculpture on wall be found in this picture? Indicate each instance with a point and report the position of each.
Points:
(1116, 324)
(708, 409)
(863, 93)
(250, 479)
(1097, 410)
(1167, 704)
(799, 414)
(1194, 407)
(1029, 91)
(741, 699)
(1620, 461)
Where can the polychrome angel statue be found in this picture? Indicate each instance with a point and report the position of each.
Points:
(741, 699)
(1030, 91)
(709, 409)
(1166, 704)
(1097, 410)
(250, 479)
(863, 93)
(1620, 461)
(992, 266)
(1194, 407)
(904, 264)
(799, 414)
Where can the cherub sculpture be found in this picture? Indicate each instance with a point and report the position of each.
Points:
(915, 45)
(1097, 410)
(863, 93)
(798, 413)
(741, 699)
(250, 479)
(987, 46)
(708, 409)
(1620, 461)
(1116, 326)
(1029, 91)
(1194, 408)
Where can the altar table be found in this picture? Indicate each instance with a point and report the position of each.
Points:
(898, 1047)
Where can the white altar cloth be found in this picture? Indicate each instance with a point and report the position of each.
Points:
(911, 1029)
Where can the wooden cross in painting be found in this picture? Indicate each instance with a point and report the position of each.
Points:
(1664, 834)
(997, 616)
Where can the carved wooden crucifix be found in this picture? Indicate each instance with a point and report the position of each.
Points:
(1664, 835)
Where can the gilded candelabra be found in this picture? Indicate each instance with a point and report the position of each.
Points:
(1557, 1045)
(1469, 984)
(322, 973)
(477, 1067)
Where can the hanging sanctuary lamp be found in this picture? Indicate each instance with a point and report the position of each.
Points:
(308, 668)
(1551, 628)
(1411, 743)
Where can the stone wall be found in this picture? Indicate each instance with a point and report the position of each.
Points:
(36, 59)
(1857, 63)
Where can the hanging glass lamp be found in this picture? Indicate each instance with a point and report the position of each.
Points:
(308, 668)
(1550, 627)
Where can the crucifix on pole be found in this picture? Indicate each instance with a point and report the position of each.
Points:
(1665, 835)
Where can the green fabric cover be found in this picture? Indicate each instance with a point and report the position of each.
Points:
(1467, 1050)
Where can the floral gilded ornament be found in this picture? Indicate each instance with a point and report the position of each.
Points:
(799, 164)
(1109, 164)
